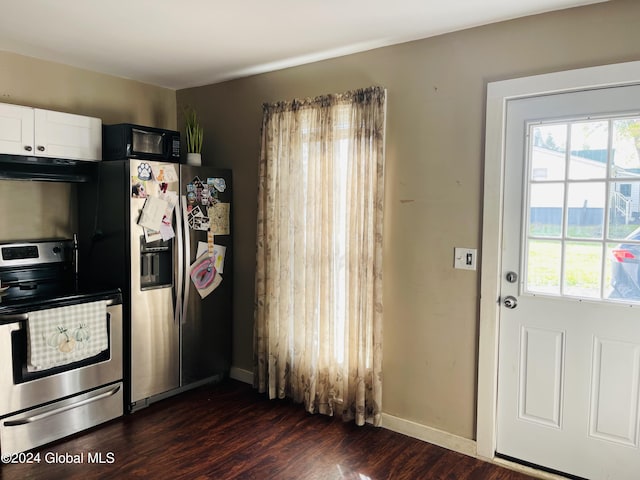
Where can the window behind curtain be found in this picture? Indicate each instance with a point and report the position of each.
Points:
(318, 330)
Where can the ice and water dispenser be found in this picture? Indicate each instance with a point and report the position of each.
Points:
(156, 264)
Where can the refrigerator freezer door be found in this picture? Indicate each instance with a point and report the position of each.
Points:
(155, 353)
(206, 323)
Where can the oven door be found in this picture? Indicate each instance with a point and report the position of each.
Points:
(21, 391)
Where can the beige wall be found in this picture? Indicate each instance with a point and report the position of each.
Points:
(434, 179)
(39, 209)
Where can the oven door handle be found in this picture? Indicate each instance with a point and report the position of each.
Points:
(21, 317)
(41, 416)
(16, 317)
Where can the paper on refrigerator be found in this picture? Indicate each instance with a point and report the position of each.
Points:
(166, 228)
(219, 218)
(164, 173)
(152, 213)
(204, 275)
(201, 249)
(157, 216)
(219, 252)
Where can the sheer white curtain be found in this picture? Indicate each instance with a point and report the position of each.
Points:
(318, 312)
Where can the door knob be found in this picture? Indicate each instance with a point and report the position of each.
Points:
(510, 302)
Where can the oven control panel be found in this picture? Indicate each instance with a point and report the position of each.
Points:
(19, 253)
(49, 251)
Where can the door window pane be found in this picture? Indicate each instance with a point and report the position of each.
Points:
(626, 148)
(624, 209)
(622, 271)
(586, 202)
(548, 152)
(582, 266)
(546, 207)
(589, 150)
(543, 268)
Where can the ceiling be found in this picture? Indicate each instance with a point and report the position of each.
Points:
(185, 43)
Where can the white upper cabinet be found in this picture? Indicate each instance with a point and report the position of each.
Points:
(16, 130)
(45, 133)
(64, 135)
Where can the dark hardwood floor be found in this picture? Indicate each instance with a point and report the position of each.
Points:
(229, 431)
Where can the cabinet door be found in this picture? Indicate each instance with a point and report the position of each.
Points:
(65, 135)
(16, 130)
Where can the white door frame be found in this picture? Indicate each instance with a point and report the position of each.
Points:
(498, 94)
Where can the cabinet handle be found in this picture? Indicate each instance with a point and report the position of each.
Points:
(28, 148)
(40, 148)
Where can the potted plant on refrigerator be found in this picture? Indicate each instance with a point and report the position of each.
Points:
(194, 137)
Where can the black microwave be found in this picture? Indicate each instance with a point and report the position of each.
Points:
(126, 140)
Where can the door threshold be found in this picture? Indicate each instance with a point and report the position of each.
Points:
(547, 473)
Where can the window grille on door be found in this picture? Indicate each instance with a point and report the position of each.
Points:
(582, 235)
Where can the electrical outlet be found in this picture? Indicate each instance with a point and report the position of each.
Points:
(464, 258)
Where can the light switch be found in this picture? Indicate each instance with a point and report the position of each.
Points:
(465, 258)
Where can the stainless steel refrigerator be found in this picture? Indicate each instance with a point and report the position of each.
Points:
(175, 274)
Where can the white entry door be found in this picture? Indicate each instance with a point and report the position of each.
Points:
(569, 341)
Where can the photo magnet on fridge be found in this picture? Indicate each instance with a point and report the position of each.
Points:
(138, 188)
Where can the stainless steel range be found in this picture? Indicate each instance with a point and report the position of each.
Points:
(60, 347)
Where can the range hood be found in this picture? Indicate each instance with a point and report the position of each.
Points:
(45, 169)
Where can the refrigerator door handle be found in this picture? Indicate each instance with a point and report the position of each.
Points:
(187, 256)
(180, 270)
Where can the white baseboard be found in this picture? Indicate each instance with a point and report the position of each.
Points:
(429, 434)
(241, 375)
(456, 443)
